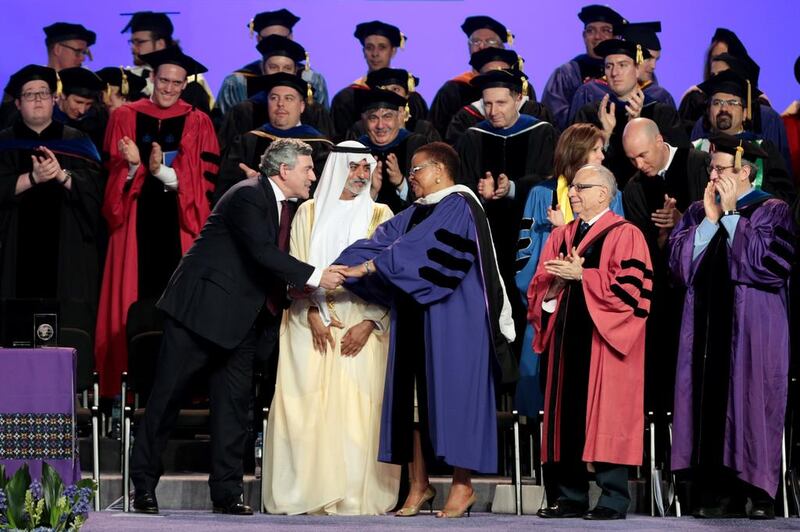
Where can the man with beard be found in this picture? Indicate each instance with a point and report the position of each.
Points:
(624, 102)
(482, 32)
(483, 61)
(379, 44)
(280, 23)
(287, 96)
(600, 23)
(733, 109)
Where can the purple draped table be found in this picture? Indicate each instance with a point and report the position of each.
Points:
(37, 411)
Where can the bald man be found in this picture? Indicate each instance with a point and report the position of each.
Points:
(667, 181)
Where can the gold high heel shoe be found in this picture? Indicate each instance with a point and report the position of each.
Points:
(458, 513)
(409, 511)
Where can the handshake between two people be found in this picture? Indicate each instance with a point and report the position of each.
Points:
(334, 275)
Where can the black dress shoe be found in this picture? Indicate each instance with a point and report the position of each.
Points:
(601, 513)
(234, 508)
(762, 510)
(145, 502)
(562, 510)
(720, 511)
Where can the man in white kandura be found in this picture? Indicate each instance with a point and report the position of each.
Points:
(324, 423)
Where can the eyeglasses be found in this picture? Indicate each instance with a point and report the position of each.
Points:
(82, 52)
(488, 43)
(413, 171)
(730, 103)
(718, 169)
(138, 42)
(38, 95)
(584, 186)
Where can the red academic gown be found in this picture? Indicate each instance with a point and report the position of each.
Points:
(195, 165)
(617, 298)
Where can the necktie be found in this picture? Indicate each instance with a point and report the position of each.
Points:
(276, 296)
(583, 228)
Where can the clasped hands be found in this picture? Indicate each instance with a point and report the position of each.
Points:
(566, 268)
(332, 277)
(46, 167)
(130, 152)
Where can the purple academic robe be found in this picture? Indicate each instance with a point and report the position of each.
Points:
(439, 264)
(759, 262)
(564, 81)
(596, 89)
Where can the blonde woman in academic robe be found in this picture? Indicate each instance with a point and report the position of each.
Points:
(324, 423)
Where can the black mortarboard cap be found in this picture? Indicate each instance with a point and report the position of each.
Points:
(635, 51)
(599, 13)
(277, 45)
(392, 76)
(735, 46)
(65, 31)
(487, 55)
(740, 149)
(376, 27)
(644, 33)
(256, 84)
(128, 82)
(154, 21)
(281, 17)
(472, 24)
(367, 99)
(31, 73)
(81, 82)
(744, 66)
(797, 69)
(506, 78)
(730, 82)
(173, 55)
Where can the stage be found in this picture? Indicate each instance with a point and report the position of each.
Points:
(180, 520)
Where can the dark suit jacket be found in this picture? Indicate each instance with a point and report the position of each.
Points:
(221, 283)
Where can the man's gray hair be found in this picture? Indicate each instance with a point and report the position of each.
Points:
(282, 151)
(605, 174)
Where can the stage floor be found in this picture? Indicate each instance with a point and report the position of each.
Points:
(182, 520)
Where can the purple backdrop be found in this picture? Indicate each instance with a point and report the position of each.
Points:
(547, 34)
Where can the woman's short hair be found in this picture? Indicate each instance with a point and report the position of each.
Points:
(443, 154)
(573, 149)
(282, 151)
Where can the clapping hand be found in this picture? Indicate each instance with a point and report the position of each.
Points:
(156, 156)
(726, 187)
(633, 108)
(667, 216)
(486, 187)
(45, 167)
(503, 187)
(377, 180)
(555, 216)
(393, 170)
(569, 268)
(129, 151)
(607, 116)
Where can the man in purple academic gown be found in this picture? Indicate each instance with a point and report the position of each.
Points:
(600, 23)
(433, 264)
(733, 252)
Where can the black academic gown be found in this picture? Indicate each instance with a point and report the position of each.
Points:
(249, 147)
(403, 147)
(469, 115)
(251, 113)
(665, 117)
(344, 113)
(48, 234)
(419, 127)
(93, 123)
(685, 180)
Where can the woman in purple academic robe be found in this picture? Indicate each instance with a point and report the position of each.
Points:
(433, 264)
(734, 256)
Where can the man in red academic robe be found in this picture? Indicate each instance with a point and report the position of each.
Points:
(588, 303)
(163, 160)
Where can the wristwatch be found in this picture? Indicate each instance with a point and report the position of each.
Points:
(730, 213)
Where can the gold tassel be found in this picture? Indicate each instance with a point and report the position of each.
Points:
(411, 85)
(309, 94)
(737, 159)
(639, 54)
(89, 54)
(408, 111)
(108, 91)
(509, 37)
(402, 40)
(308, 62)
(124, 86)
(524, 86)
(520, 63)
(252, 27)
(749, 100)
(59, 85)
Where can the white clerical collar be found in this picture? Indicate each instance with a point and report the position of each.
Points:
(672, 151)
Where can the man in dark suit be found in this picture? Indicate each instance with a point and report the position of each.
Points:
(227, 293)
